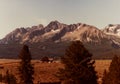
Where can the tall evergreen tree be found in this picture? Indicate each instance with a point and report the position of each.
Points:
(104, 78)
(26, 69)
(9, 78)
(78, 65)
(113, 74)
(1, 78)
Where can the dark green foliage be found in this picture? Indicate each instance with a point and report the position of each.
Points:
(9, 78)
(113, 75)
(78, 65)
(26, 69)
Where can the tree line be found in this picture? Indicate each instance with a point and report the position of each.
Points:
(78, 68)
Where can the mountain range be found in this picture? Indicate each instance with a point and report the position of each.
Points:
(53, 39)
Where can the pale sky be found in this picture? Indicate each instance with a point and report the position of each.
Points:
(26, 13)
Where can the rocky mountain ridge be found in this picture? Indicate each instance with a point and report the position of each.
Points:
(56, 31)
(53, 39)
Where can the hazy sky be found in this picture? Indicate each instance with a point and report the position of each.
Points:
(25, 13)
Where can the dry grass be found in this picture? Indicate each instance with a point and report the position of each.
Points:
(45, 72)
(101, 65)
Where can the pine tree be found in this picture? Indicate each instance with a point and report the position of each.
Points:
(105, 78)
(78, 65)
(26, 69)
(9, 78)
(1, 78)
(113, 75)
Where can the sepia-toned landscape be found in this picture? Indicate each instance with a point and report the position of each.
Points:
(59, 42)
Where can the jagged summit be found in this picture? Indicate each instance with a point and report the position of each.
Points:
(54, 25)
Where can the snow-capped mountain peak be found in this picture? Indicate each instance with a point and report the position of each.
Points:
(113, 29)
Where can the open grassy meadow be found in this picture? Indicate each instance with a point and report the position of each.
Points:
(45, 72)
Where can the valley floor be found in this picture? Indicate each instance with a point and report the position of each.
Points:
(45, 72)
